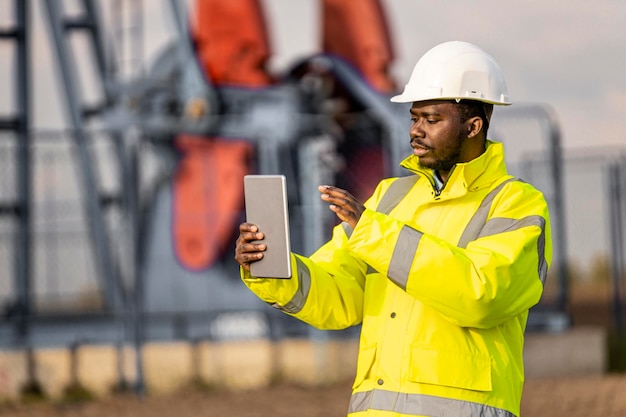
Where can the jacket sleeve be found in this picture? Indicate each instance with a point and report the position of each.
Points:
(325, 290)
(498, 275)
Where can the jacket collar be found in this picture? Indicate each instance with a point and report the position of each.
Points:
(473, 175)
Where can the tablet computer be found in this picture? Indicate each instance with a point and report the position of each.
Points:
(266, 206)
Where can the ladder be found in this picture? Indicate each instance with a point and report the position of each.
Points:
(19, 124)
(117, 295)
(61, 27)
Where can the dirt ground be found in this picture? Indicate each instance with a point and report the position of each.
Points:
(581, 396)
(553, 397)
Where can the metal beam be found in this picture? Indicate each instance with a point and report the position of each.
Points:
(111, 282)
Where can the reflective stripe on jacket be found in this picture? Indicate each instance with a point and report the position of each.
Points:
(442, 284)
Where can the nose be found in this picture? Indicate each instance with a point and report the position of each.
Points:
(416, 130)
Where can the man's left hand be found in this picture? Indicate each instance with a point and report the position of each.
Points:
(343, 204)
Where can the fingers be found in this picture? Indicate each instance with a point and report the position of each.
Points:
(342, 203)
(248, 227)
(335, 193)
(249, 232)
(247, 250)
(336, 197)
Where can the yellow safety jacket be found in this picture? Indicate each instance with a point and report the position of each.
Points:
(442, 284)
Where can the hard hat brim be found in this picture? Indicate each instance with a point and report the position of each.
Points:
(408, 98)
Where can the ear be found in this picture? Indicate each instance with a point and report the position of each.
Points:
(474, 126)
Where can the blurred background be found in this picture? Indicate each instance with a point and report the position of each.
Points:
(126, 127)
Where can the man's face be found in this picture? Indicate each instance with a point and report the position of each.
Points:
(438, 137)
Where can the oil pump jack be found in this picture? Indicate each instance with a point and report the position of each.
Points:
(325, 119)
(213, 112)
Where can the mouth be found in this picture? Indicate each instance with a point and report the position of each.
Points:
(419, 149)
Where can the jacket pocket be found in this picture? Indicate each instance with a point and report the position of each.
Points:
(364, 364)
(452, 369)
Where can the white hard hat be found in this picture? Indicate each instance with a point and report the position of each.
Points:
(456, 70)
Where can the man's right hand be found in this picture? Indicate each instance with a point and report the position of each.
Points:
(247, 252)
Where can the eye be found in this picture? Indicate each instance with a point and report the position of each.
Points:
(432, 121)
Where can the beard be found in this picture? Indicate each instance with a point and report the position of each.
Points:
(446, 157)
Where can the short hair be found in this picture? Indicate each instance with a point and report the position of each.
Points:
(473, 108)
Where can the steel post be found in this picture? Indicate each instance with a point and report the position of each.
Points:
(111, 281)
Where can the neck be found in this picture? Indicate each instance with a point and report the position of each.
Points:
(443, 175)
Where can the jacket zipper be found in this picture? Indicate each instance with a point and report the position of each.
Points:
(438, 192)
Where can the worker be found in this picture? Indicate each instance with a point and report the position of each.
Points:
(439, 267)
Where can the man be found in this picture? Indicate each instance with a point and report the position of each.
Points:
(440, 267)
